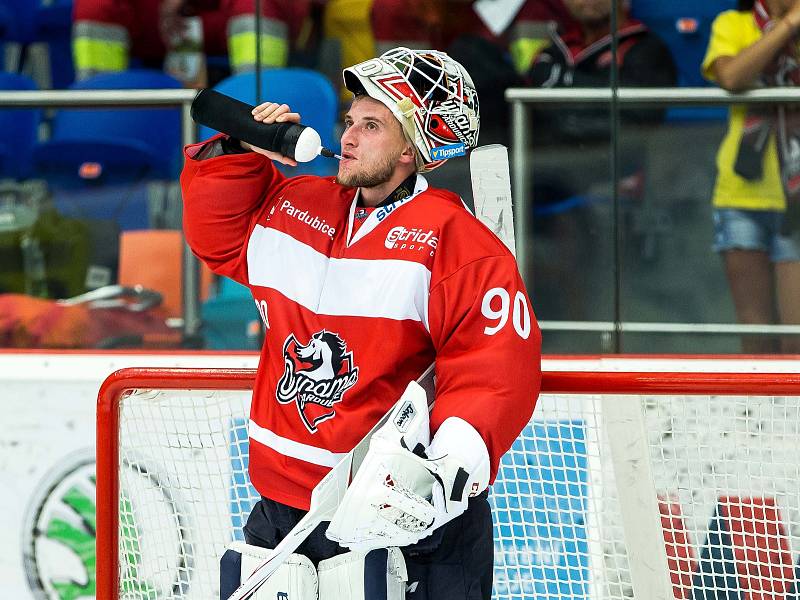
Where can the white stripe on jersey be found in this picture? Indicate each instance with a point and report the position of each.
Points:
(287, 447)
(383, 288)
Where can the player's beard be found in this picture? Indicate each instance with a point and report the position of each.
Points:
(377, 175)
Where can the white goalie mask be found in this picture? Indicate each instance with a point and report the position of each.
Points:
(431, 95)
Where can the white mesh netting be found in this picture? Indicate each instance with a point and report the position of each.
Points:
(720, 473)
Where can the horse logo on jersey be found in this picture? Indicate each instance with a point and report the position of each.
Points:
(316, 376)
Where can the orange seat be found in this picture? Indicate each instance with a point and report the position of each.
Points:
(153, 258)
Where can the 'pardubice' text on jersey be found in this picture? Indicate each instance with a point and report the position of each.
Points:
(351, 318)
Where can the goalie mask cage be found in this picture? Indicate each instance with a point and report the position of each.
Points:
(650, 485)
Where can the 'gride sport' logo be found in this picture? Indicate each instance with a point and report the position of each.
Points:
(402, 238)
(316, 376)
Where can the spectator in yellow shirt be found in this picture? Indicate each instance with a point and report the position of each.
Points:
(756, 46)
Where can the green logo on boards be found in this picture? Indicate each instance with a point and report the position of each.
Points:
(59, 532)
(130, 581)
(59, 536)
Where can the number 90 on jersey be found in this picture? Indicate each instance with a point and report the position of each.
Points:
(497, 307)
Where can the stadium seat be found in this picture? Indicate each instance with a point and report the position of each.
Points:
(306, 91)
(685, 26)
(230, 319)
(153, 259)
(26, 22)
(20, 130)
(89, 145)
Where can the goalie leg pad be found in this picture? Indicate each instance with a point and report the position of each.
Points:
(354, 576)
(295, 579)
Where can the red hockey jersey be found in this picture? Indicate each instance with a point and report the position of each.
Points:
(351, 318)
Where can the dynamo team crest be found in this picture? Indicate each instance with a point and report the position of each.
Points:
(316, 376)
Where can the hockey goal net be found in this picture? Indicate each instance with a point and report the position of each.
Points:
(646, 485)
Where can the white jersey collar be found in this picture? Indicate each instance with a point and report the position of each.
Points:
(379, 214)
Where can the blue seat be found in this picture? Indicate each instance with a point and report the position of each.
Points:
(119, 144)
(28, 21)
(230, 319)
(20, 130)
(305, 91)
(685, 26)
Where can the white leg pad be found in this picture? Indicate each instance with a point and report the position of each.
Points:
(354, 576)
(295, 579)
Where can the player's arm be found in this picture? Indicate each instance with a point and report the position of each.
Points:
(488, 358)
(736, 69)
(225, 187)
(488, 375)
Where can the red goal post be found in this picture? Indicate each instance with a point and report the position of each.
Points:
(625, 481)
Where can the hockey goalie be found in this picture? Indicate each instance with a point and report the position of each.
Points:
(367, 281)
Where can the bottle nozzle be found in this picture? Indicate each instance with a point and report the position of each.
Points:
(327, 153)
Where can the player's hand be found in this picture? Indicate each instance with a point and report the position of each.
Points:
(272, 112)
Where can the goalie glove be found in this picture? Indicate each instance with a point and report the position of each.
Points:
(399, 496)
(460, 460)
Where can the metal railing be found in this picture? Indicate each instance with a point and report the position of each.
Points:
(180, 98)
(519, 98)
(521, 132)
